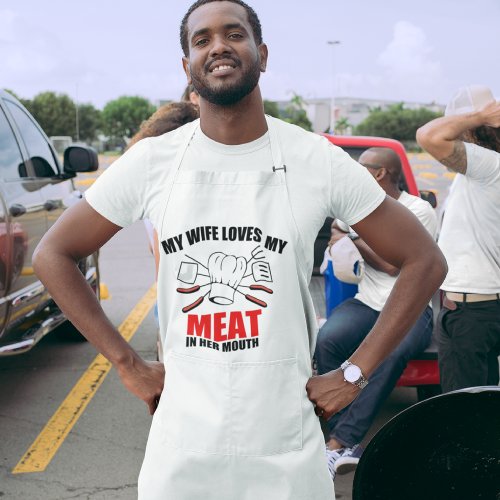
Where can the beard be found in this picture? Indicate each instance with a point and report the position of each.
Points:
(227, 94)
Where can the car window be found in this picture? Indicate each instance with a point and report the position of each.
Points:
(354, 153)
(11, 162)
(40, 153)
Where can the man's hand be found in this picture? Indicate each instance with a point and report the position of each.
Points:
(144, 379)
(491, 114)
(441, 137)
(330, 393)
(336, 235)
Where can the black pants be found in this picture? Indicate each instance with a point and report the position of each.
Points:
(469, 345)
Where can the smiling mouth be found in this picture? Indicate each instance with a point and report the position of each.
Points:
(222, 67)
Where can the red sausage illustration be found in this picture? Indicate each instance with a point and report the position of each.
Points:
(261, 287)
(189, 290)
(190, 307)
(255, 300)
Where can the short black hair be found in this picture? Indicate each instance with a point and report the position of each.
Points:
(253, 19)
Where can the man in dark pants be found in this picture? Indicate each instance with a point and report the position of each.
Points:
(467, 141)
(351, 321)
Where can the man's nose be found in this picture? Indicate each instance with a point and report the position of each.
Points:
(220, 46)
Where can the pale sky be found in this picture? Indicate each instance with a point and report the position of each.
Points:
(404, 50)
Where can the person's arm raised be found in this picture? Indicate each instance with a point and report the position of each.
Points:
(79, 232)
(397, 236)
(440, 137)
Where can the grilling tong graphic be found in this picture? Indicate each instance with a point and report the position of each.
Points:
(225, 274)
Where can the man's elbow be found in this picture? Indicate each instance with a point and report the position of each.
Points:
(39, 259)
(425, 138)
(437, 267)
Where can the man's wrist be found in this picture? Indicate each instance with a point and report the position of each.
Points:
(353, 374)
(125, 359)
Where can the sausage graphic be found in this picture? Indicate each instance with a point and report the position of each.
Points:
(261, 288)
(190, 307)
(189, 290)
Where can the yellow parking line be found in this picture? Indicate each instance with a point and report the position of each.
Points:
(428, 175)
(45, 446)
(85, 182)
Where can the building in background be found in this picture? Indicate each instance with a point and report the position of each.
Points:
(350, 111)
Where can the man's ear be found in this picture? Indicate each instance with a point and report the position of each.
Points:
(185, 65)
(380, 174)
(263, 57)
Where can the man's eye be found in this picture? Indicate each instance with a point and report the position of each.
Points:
(235, 35)
(201, 41)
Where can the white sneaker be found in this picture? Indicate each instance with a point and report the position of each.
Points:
(331, 457)
(348, 461)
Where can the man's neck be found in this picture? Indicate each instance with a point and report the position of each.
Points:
(393, 192)
(238, 124)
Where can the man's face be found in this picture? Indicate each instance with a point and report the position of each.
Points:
(224, 62)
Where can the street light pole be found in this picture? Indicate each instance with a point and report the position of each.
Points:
(333, 43)
(77, 121)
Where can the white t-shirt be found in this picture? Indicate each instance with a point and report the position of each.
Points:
(375, 287)
(470, 235)
(322, 179)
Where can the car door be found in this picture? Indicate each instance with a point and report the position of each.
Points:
(56, 190)
(25, 209)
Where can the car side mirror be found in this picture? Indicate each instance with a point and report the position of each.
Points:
(80, 159)
(429, 196)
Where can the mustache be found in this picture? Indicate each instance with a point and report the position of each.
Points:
(235, 60)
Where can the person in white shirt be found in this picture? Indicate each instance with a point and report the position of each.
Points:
(237, 199)
(467, 141)
(350, 321)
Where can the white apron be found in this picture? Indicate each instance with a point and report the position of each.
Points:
(234, 421)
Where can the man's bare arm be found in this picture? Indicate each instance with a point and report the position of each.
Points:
(440, 137)
(79, 232)
(457, 160)
(370, 257)
(374, 260)
(397, 236)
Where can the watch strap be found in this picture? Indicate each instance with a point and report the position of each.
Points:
(362, 381)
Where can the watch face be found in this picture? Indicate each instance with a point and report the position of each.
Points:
(352, 373)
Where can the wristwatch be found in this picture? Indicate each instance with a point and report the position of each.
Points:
(353, 374)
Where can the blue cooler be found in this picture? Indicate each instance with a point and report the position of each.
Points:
(336, 291)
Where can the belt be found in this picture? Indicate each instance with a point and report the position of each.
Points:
(471, 297)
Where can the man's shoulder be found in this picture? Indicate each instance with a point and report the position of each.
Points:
(482, 163)
(293, 134)
(415, 203)
(171, 139)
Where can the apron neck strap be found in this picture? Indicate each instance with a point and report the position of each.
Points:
(278, 165)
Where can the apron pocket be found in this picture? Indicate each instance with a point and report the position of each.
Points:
(195, 404)
(266, 416)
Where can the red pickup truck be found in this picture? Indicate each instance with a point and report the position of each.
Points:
(421, 372)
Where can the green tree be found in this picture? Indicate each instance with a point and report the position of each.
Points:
(122, 117)
(342, 125)
(89, 122)
(396, 122)
(295, 113)
(54, 112)
(271, 108)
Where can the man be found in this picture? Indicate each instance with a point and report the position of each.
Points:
(467, 141)
(237, 200)
(352, 320)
